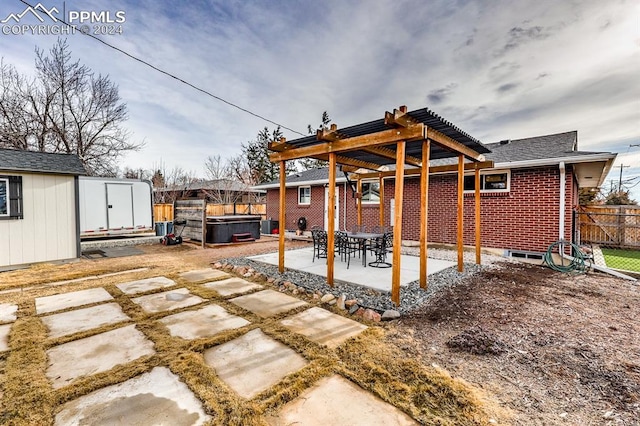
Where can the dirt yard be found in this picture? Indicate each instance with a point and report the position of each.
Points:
(549, 348)
(553, 348)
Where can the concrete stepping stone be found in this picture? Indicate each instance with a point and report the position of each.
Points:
(203, 274)
(57, 302)
(204, 322)
(157, 397)
(95, 354)
(147, 284)
(84, 319)
(167, 300)
(4, 337)
(323, 327)
(8, 312)
(337, 401)
(267, 303)
(253, 362)
(232, 286)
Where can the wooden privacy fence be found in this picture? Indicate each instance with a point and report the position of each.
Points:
(194, 212)
(164, 212)
(614, 226)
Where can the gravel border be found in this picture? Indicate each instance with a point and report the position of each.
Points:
(411, 295)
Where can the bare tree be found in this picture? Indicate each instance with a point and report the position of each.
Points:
(65, 108)
(221, 187)
(177, 183)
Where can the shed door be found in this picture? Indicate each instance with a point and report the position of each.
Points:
(119, 206)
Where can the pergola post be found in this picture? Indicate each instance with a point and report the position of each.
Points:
(460, 237)
(281, 218)
(359, 201)
(381, 196)
(424, 204)
(331, 218)
(397, 223)
(477, 212)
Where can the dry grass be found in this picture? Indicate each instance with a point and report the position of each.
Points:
(429, 395)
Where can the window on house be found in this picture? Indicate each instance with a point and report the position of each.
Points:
(371, 192)
(11, 197)
(304, 195)
(4, 197)
(489, 182)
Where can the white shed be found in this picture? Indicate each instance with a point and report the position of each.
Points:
(39, 218)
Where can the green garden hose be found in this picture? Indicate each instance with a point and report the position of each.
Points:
(574, 263)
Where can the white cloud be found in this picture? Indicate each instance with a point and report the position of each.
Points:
(496, 69)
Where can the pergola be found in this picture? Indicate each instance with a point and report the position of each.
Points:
(408, 140)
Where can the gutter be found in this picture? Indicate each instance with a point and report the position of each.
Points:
(297, 183)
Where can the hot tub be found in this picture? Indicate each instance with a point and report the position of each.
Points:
(220, 229)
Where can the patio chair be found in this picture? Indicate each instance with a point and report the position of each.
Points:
(319, 237)
(345, 246)
(380, 247)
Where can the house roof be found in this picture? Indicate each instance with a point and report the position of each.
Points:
(424, 115)
(545, 147)
(527, 152)
(307, 177)
(40, 162)
(211, 185)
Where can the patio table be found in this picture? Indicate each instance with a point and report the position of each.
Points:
(362, 237)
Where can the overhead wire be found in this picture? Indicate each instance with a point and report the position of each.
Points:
(181, 80)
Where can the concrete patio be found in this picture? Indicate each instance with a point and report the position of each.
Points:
(357, 273)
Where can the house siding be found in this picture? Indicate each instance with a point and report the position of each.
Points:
(48, 230)
(525, 218)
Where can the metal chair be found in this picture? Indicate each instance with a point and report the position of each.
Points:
(380, 248)
(345, 246)
(320, 239)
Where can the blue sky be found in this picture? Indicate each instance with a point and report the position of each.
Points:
(497, 69)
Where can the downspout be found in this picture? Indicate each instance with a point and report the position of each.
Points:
(563, 181)
(344, 208)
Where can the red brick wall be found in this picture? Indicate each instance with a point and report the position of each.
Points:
(525, 218)
(314, 212)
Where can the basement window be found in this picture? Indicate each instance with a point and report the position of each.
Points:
(489, 182)
(11, 197)
(370, 192)
(304, 195)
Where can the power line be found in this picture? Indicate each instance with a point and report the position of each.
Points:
(177, 78)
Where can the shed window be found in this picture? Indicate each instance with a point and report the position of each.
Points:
(371, 192)
(489, 182)
(304, 195)
(10, 197)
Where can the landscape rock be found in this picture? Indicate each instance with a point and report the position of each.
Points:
(327, 298)
(340, 302)
(217, 265)
(360, 312)
(371, 315)
(349, 303)
(390, 314)
(353, 309)
(270, 280)
(247, 275)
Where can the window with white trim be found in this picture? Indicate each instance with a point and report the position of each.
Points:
(495, 181)
(371, 192)
(304, 195)
(11, 197)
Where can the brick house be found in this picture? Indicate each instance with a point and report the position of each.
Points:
(520, 196)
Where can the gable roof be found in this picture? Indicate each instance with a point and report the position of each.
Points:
(211, 185)
(40, 162)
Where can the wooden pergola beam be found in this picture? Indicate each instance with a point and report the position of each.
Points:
(399, 118)
(391, 154)
(432, 169)
(452, 145)
(385, 137)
